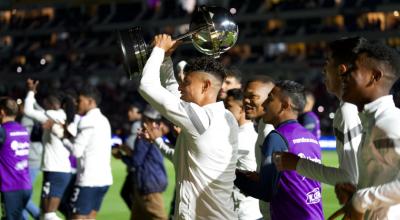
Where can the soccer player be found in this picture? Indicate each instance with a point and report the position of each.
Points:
(56, 165)
(92, 148)
(246, 207)
(15, 183)
(291, 196)
(206, 150)
(256, 92)
(346, 123)
(366, 83)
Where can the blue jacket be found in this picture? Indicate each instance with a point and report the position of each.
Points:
(147, 167)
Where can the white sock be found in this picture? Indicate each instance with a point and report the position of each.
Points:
(51, 216)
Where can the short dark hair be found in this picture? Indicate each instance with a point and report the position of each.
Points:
(208, 65)
(136, 105)
(234, 72)
(236, 94)
(53, 99)
(9, 106)
(383, 54)
(260, 78)
(295, 91)
(345, 50)
(91, 92)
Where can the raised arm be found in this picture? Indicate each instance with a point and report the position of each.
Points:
(30, 111)
(180, 113)
(30, 102)
(167, 77)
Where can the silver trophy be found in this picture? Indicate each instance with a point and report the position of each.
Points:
(212, 32)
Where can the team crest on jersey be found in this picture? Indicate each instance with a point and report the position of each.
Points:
(314, 196)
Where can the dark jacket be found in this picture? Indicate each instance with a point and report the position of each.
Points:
(147, 168)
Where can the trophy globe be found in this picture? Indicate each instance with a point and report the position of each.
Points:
(212, 31)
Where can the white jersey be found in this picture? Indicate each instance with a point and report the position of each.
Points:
(246, 207)
(206, 151)
(378, 192)
(92, 148)
(55, 154)
(263, 130)
(348, 131)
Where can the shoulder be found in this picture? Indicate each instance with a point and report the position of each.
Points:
(388, 122)
(348, 110)
(274, 138)
(231, 119)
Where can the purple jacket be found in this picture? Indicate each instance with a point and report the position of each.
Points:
(14, 151)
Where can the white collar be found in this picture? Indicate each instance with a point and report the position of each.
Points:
(380, 104)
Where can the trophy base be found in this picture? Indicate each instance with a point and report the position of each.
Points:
(134, 50)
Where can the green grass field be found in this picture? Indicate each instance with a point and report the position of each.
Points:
(114, 208)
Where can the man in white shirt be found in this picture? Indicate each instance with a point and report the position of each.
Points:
(55, 165)
(247, 208)
(92, 148)
(366, 83)
(206, 150)
(255, 93)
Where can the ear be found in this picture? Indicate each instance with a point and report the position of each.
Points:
(285, 104)
(242, 110)
(2, 113)
(92, 102)
(377, 75)
(206, 85)
(342, 68)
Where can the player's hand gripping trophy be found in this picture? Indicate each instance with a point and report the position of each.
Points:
(212, 32)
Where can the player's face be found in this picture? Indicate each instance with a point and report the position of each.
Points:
(229, 82)
(255, 94)
(272, 107)
(356, 84)
(192, 87)
(234, 106)
(84, 104)
(331, 77)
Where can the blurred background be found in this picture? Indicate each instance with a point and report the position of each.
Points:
(72, 43)
(69, 43)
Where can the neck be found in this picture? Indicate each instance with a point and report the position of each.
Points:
(243, 120)
(8, 119)
(374, 96)
(207, 101)
(283, 119)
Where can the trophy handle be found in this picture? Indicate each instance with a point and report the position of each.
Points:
(190, 33)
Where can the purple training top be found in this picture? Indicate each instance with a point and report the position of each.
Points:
(14, 171)
(296, 189)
